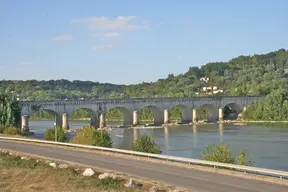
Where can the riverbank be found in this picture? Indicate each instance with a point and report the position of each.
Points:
(252, 121)
(21, 172)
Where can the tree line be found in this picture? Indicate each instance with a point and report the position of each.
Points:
(241, 76)
(273, 108)
(244, 75)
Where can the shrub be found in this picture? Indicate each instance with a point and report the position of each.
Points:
(50, 134)
(145, 143)
(242, 159)
(219, 153)
(12, 130)
(223, 154)
(90, 136)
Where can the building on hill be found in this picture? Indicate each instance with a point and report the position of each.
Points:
(210, 90)
(205, 79)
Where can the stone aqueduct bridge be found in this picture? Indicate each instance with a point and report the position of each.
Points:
(130, 107)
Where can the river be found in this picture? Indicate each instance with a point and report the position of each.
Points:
(266, 145)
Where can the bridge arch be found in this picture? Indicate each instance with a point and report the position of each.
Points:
(181, 112)
(208, 112)
(125, 116)
(37, 114)
(232, 110)
(83, 113)
(157, 114)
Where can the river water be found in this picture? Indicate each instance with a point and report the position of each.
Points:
(266, 145)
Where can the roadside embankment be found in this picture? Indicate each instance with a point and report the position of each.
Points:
(22, 172)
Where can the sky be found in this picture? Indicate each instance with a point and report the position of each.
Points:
(129, 41)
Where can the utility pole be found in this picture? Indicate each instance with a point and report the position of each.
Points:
(55, 124)
(55, 129)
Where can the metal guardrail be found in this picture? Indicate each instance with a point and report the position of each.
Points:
(248, 169)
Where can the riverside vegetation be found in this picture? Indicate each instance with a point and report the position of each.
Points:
(273, 108)
(9, 115)
(241, 76)
(222, 153)
(91, 136)
(50, 134)
(146, 144)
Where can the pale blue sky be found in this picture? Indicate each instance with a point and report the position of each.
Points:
(131, 41)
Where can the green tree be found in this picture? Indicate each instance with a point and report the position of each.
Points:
(9, 111)
(90, 136)
(241, 76)
(50, 134)
(146, 144)
(274, 108)
(223, 154)
(219, 153)
(241, 159)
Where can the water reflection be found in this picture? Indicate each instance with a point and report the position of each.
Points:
(136, 133)
(166, 135)
(194, 129)
(221, 130)
(195, 137)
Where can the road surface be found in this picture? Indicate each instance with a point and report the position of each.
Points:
(193, 180)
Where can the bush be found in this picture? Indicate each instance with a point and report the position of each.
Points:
(223, 154)
(242, 159)
(90, 136)
(219, 153)
(50, 134)
(12, 130)
(146, 144)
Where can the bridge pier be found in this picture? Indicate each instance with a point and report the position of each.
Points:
(94, 122)
(166, 116)
(135, 118)
(25, 123)
(65, 121)
(102, 122)
(221, 115)
(194, 115)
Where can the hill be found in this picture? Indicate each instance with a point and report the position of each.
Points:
(244, 75)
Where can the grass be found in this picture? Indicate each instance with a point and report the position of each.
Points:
(30, 175)
(7, 135)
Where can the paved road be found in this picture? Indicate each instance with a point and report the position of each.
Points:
(188, 178)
